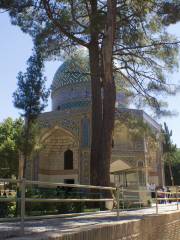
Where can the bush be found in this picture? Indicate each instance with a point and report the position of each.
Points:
(79, 207)
(7, 209)
(46, 207)
(3, 209)
(40, 208)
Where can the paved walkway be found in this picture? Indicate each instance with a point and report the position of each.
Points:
(40, 229)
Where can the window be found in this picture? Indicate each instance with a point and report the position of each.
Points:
(69, 181)
(68, 160)
(140, 164)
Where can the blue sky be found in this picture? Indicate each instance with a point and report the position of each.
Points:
(15, 49)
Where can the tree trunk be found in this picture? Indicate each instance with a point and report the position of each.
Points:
(26, 146)
(109, 94)
(96, 99)
(107, 130)
(170, 172)
(96, 116)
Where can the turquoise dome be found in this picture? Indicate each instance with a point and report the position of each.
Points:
(69, 73)
(71, 86)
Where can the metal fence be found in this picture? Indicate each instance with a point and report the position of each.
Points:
(167, 197)
(23, 183)
(118, 196)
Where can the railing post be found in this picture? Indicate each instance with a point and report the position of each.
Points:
(177, 199)
(156, 195)
(122, 197)
(117, 200)
(22, 186)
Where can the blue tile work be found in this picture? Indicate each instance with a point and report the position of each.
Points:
(69, 73)
(85, 133)
(53, 120)
(78, 104)
(75, 96)
(71, 87)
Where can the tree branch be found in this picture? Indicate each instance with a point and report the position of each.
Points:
(60, 27)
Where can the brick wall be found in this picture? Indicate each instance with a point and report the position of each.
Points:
(161, 227)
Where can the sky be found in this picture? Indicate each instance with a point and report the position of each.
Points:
(15, 49)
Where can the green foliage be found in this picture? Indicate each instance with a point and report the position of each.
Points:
(144, 52)
(175, 169)
(171, 157)
(169, 149)
(29, 139)
(3, 209)
(53, 208)
(31, 97)
(10, 135)
(171, 11)
(7, 209)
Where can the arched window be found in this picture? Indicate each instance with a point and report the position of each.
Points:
(68, 160)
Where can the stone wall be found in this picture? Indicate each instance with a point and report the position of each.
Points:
(157, 227)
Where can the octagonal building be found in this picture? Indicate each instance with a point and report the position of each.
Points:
(66, 136)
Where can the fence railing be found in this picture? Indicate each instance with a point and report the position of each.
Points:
(118, 196)
(23, 183)
(164, 197)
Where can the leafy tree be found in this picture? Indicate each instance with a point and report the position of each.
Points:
(175, 165)
(10, 134)
(128, 37)
(169, 151)
(31, 97)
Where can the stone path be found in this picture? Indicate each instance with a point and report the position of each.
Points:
(42, 229)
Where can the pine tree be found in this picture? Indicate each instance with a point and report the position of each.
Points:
(171, 12)
(31, 98)
(128, 37)
(169, 150)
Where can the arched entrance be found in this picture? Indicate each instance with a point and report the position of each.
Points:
(59, 156)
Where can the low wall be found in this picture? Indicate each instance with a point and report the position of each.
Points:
(152, 227)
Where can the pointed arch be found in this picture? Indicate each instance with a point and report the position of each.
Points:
(68, 159)
(55, 128)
